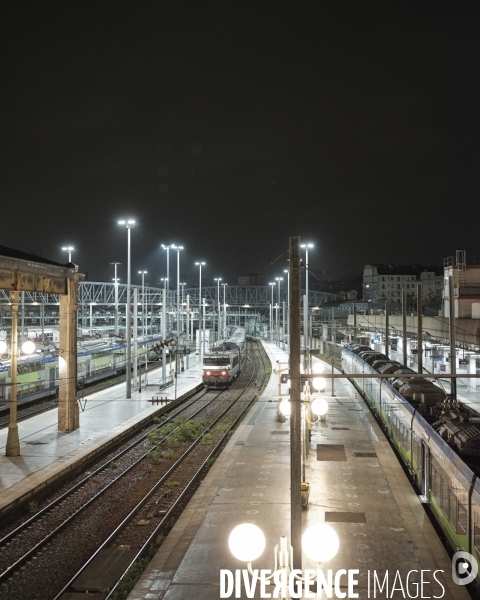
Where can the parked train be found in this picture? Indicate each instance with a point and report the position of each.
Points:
(440, 474)
(224, 362)
(96, 359)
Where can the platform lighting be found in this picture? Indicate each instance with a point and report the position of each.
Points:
(28, 347)
(128, 223)
(69, 249)
(318, 383)
(179, 324)
(317, 367)
(224, 320)
(143, 273)
(319, 542)
(218, 280)
(319, 407)
(272, 284)
(202, 317)
(3, 347)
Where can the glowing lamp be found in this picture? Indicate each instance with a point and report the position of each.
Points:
(320, 543)
(318, 383)
(3, 347)
(285, 408)
(28, 347)
(317, 367)
(246, 542)
(319, 407)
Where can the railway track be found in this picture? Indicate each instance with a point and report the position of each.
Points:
(118, 508)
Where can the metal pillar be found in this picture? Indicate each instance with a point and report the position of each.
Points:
(387, 329)
(13, 442)
(164, 331)
(295, 392)
(420, 328)
(354, 322)
(68, 411)
(128, 328)
(453, 351)
(187, 330)
(135, 335)
(404, 324)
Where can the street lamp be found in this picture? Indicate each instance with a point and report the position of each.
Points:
(167, 248)
(116, 280)
(319, 542)
(224, 320)
(201, 323)
(218, 280)
(305, 309)
(181, 303)
(279, 279)
(164, 279)
(287, 329)
(128, 333)
(271, 310)
(69, 249)
(143, 273)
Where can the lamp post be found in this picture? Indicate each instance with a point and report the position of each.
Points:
(69, 249)
(116, 280)
(164, 279)
(178, 249)
(128, 333)
(167, 248)
(200, 319)
(142, 273)
(272, 284)
(218, 280)
(279, 279)
(287, 328)
(224, 320)
(305, 312)
(182, 285)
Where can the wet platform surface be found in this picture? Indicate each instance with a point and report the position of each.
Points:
(357, 486)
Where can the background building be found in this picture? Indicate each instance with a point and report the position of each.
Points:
(388, 281)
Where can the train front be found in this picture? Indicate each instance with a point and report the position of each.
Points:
(216, 370)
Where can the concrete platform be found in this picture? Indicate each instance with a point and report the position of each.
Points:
(46, 453)
(365, 496)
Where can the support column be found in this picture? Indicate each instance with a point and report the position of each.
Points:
(420, 328)
(404, 325)
(387, 329)
(295, 392)
(68, 412)
(453, 352)
(135, 336)
(13, 442)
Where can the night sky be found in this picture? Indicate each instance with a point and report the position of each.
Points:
(230, 126)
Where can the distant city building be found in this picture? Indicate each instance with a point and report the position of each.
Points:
(251, 279)
(466, 284)
(388, 281)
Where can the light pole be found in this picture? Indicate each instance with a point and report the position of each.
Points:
(305, 311)
(116, 280)
(181, 303)
(167, 248)
(224, 320)
(178, 249)
(279, 279)
(272, 284)
(164, 279)
(128, 333)
(142, 273)
(69, 249)
(287, 271)
(218, 280)
(200, 319)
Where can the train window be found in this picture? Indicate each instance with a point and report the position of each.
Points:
(444, 496)
(462, 517)
(476, 537)
(434, 482)
(453, 510)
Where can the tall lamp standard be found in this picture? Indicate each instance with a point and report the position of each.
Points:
(272, 284)
(200, 318)
(178, 249)
(279, 279)
(224, 320)
(69, 249)
(128, 333)
(218, 280)
(167, 248)
(181, 302)
(305, 312)
(116, 280)
(287, 271)
(142, 273)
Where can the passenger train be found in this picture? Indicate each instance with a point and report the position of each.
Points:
(96, 359)
(224, 362)
(443, 478)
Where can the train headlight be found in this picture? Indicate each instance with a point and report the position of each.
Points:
(224, 372)
(319, 407)
(318, 383)
(28, 347)
(207, 373)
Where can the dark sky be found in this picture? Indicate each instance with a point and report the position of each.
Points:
(229, 127)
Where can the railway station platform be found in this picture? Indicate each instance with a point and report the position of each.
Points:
(47, 453)
(357, 486)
